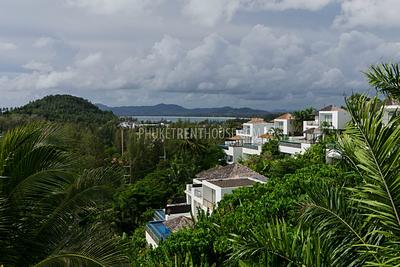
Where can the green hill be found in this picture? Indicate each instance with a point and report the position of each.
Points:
(65, 108)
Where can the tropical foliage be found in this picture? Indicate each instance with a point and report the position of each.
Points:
(44, 205)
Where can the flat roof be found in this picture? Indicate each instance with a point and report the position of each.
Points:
(236, 182)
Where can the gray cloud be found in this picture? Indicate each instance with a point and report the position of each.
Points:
(190, 52)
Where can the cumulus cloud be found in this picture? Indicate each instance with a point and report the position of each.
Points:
(265, 64)
(369, 13)
(253, 61)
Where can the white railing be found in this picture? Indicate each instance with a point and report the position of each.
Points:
(312, 123)
(197, 193)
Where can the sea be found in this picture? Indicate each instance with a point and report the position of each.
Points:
(181, 118)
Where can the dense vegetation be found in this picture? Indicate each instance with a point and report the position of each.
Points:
(309, 213)
(69, 197)
(65, 108)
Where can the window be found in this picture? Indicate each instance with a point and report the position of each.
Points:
(246, 129)
(279, 125)
(327, 118)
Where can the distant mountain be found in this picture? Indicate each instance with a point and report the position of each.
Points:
(176, 110)
(65, 108)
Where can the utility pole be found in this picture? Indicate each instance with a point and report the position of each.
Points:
(164, 156)
(127, 168)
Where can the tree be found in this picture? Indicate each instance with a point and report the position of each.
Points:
(363, 225)
(386, 79)
(306, 114)
(46, 209)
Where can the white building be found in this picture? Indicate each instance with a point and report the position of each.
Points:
(166, 221)
(247, 141)
(209, 187)
(285, 124)
(331, 117)
(391, 107)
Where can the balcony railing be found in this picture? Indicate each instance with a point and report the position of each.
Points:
(312, 123)
(290, 144)
(197, 193)
(251, 146)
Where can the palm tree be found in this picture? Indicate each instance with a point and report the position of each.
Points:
(362, 225)
(45, 206)
(274, 244)
(277, 133)
(386, 79)
(306, 114)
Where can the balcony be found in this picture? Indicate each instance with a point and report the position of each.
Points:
(197, 193)
(311, 123)
(239, 132)
(189, 189)
(290, 144)
(251, 146)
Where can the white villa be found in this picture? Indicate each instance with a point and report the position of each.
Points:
(210, 186)
(390, 108)
(330, 117)
(285, 124)
(249, 140)
(207, 189)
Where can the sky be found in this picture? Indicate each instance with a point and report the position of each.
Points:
(265, 54)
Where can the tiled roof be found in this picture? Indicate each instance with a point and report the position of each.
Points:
(234, 138)
(286, 116)
(230, 171)
(256, 120)
(178, 223)
(238, 182)
(331, 108)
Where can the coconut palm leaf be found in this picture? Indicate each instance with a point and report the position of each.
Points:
(385, 78)
(376, 153)
(337, 219)
(43, 204)
(275, 245)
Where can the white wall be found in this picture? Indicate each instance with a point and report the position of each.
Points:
(294, 150)
(150, 241)
(343, 118)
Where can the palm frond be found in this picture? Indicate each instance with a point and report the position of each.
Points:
(385, 78)
(337, 220)
(376, 154)
(275, 245)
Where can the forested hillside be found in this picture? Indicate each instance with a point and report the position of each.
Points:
(65, 108)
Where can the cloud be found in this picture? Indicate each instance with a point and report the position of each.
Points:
(44, 42)
(211, 12)
(264, 65)
(369, 13)
(38, 66)
(110, 7)
(4, 46)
